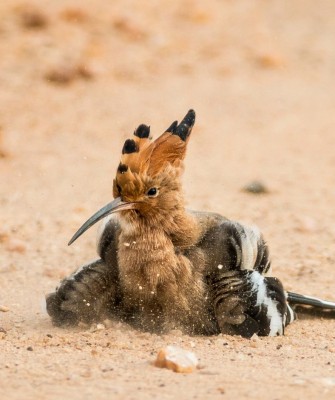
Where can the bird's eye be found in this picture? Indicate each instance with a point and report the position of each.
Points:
(152, 192)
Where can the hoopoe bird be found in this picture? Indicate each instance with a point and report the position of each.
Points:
(164, 267)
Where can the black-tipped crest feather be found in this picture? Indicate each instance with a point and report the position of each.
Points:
(129, 147)
(172, 128)
(184, 129)
(143, 131)
(141, 155)
(122, 168)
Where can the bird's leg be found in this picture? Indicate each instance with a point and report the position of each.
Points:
(84, 296)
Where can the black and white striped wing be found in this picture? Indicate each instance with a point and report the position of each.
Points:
(244, 300)
(247, 303)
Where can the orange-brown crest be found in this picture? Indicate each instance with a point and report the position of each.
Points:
(142, 156)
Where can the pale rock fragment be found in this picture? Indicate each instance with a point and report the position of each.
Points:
(176, 359)
(254, 341)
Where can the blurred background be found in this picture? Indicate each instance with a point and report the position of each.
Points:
(78, 77)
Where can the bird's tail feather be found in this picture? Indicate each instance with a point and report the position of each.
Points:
(299, 299)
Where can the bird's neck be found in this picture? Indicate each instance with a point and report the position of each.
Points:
(179, 227)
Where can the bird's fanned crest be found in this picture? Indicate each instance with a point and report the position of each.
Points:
(141, 155)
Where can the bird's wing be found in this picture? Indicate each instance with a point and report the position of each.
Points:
(244, 301)
(247, 303)
(229, 245)
(107, 239)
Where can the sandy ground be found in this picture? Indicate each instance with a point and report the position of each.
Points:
(76, 79)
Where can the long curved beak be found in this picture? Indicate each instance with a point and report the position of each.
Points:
(112, 207)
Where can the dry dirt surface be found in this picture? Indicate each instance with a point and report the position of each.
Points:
(76, 79)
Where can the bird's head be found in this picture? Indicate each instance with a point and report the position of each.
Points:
(147, 184)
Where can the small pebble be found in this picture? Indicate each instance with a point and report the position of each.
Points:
(4, 308)
(30, 348)
(254, 341)
(61, 75)
(32, 18)
(255, 187)
(176, 359)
